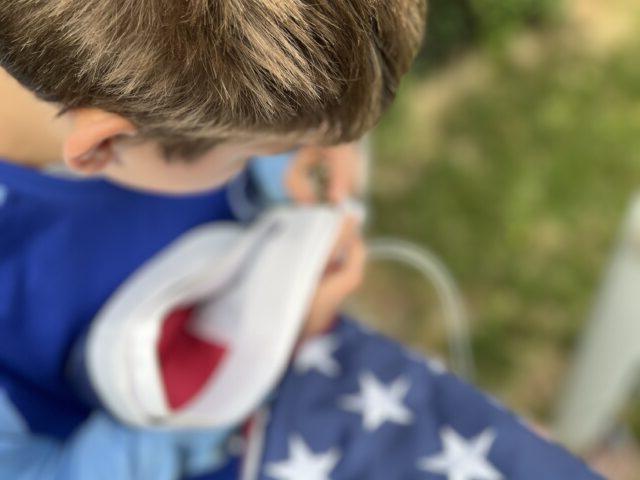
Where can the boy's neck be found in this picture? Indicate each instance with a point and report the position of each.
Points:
(29, 132)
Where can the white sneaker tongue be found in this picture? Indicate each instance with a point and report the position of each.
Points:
(252, 288)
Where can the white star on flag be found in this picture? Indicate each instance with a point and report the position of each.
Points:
(436, 365)
(303, 464)
(462, 459)
(317, 354)
(379, 403)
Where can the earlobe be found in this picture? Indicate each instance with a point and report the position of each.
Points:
(88, 148)
(92, 161)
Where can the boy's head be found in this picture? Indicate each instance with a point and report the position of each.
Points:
(190, 75)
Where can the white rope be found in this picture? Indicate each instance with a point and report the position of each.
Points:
(434, 271)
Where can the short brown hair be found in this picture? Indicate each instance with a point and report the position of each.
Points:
(191, 73)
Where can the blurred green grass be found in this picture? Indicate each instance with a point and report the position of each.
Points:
(520, 185)
(458, 25)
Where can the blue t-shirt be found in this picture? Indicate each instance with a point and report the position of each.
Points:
(65, 246)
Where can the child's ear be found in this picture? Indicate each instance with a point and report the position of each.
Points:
(88, 147)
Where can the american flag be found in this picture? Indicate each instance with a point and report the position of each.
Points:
(357, 406)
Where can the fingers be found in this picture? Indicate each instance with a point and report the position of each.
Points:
(342, 165)
(343, 275)
(346, 245)
(298, 180)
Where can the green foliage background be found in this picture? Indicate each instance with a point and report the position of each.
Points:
(519, 184)
(455, 26)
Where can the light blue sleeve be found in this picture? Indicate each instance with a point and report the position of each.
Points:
(270, 172)
(101, 449)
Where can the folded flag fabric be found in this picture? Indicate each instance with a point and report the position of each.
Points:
(356, 405)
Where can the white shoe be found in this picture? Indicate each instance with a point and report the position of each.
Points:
(252, 287)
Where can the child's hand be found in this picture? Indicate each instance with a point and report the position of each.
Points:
(343, 275)
(342, 166)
